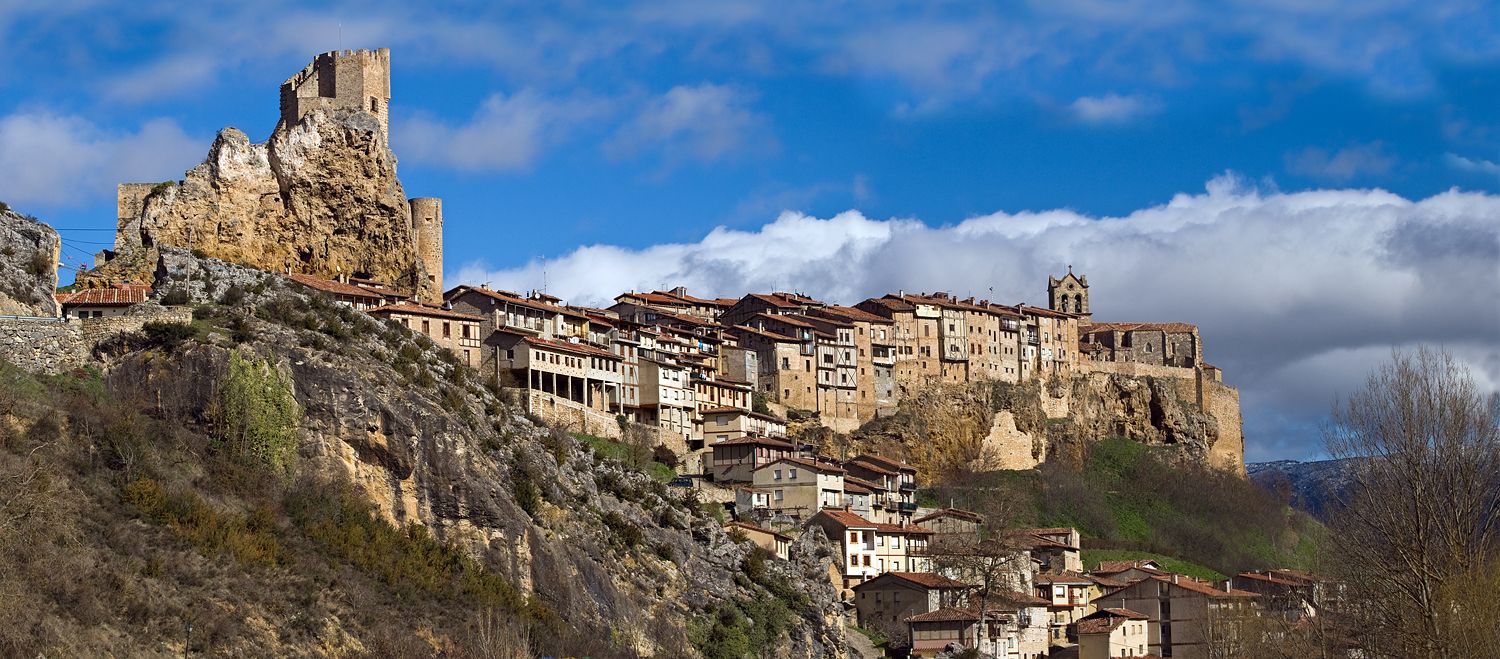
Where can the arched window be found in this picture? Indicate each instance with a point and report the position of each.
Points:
(1064, 304)
(1078, 303)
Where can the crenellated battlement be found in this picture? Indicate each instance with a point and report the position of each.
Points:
(341, 79)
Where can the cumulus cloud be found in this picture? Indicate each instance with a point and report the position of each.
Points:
(505, 133)
(1298, 294)
(704, 122)
(1342, 165)
(1111, 108)
(53, 159)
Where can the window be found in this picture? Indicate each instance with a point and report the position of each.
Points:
(426, 328)
(791, 474)
(465, 331)
(776, 476)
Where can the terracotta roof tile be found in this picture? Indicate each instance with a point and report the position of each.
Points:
(925, 580)
(335, 287)
(424, 310)
(951, 512)
(947, 614)
(105, 297)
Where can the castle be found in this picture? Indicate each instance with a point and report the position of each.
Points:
(294, 205)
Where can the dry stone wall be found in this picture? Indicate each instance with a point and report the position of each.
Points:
(52, 346)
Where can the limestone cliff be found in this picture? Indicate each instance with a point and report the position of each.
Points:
(995, 425)
(28, 266)
(321, 196)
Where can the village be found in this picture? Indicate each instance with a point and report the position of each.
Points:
(714, 384)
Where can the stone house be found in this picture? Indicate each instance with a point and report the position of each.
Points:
(1158, 344)
(1009, 631)
(102, 302)
(952, 523)
(1129, 571)
(667, 397)
(1111, 633)
(800, 487)
(458, 333)
(776, 543)
(1056, 548)
(725, 423)
(1070, 294)
(735, 460)
(785, 370)
(345, 293)
(1291, 594)
(636, 306)
(895, 484)
(874, 355)
(572, 371)
(1067, 595)
(885, 602)
(1182, 612)
(871, 548)
(773, 304)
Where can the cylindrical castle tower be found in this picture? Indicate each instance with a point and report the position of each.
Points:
(427, 233)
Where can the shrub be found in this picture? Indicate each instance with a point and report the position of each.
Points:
(623, 532)
(232, 296)
(39, 264)
(175, 297)
(258, 416)
(528, 495)
(166, 335)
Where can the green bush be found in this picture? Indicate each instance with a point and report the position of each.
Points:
(623, 532)
(258, 416)
(528, 495)
(232, 296)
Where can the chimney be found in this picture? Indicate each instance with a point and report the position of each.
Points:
(1228, 588)
(1174, 578)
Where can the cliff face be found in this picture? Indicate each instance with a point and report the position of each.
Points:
(996, 425)
(28, 266)
(321, 197)
(630, 566)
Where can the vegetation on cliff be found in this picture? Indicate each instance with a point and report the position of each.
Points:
(1128, 496)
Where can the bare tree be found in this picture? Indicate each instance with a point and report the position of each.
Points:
(1421, 519)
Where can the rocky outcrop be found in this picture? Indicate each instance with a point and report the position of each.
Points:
(628, 563)
(28, 266)
(321, 196)
(987, 426)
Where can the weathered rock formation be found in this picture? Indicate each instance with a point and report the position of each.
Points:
(996, 425)
(28, 266)
(321, 196)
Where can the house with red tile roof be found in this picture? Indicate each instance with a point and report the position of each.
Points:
(871, 548)
(456, 332)
(1111, 633)
(885, 602)
(102, 302)
(801, 487)
(342, 292)
(1180, 611)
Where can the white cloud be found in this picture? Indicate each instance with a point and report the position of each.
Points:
(1283, 285)
(1473, 164)
(504, 133)
(60, 160)
(1111, 108)
(1342, 165)
(704, 122)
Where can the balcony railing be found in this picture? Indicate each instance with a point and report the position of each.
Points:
(908, 486)
(908, 507)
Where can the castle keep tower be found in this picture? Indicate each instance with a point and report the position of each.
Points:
(427, 230)
(353, 79)
(1070, 295)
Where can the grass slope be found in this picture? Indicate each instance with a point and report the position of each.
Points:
(1134, 499)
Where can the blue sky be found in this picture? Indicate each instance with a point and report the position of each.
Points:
(585, 145)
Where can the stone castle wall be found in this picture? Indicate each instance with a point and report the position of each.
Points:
(344, 79)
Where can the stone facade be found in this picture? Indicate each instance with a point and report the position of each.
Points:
(52, 346)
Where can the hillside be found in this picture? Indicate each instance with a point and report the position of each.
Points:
(1313, 487)
(1127, 496)
(289, 477)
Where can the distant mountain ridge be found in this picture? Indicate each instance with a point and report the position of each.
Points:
(1313, 487)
